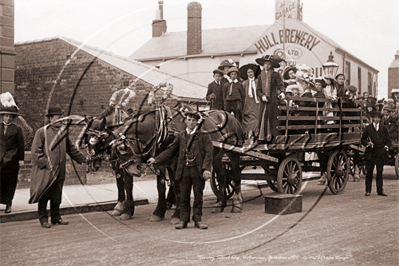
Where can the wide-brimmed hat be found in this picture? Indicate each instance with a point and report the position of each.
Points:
(226, 63)
(321, 80)
(370, 104)
(396, 90)
(192, 113)
(9, 111)
(244, 69)
(273, 59)
(287, 71)
(352, 88)
(54, 110)
(233, 69)
(217, 70)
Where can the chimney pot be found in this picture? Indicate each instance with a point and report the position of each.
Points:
(159, 24)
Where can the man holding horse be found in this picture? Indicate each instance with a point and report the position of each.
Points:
(195, 155)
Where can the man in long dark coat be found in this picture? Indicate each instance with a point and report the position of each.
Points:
(193, 167)
(48, 172)
(377, 142)
(11, 152)
(270, 90)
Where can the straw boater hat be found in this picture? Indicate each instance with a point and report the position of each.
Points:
(232, 69)
(54, 110)
(244, 69)
(218, 71)
(226, 63)
(389, 108)
(273, 59)
(287, 71)
(8, 105)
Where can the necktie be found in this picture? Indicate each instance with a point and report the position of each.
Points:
(376, 127)
(5, 128)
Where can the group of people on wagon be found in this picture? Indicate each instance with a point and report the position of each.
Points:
(254, 91)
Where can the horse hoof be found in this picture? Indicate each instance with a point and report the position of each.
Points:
(155, 218)
(125, 217)
(175, 220)
(116, 213)
(217, 208)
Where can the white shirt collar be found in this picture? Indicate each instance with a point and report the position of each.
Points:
(191, 132)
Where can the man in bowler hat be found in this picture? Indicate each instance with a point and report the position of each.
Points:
(48, 172)
(195, 155)
(377, 142)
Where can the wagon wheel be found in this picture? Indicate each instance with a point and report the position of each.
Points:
(289, 176)
(397, 165)
(338, 168)
(352, 166)
(230, 188)
(272, 183)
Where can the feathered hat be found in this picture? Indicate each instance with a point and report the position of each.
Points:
(8, 105)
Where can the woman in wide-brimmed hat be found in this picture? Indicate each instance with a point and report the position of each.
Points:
(289, 76)
(270, 90)
(250, 118)
(11, 151)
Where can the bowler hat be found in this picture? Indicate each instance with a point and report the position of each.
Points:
(244, 69)
(193, 114)
(352, 88)
(9, 111)
(287, 71)
(218, 71)
(273, 59)
(226, 63)
(54, 110)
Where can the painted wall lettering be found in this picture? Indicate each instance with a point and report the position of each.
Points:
(302, 38)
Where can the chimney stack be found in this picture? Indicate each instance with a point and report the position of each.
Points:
(194, 31)
(159, 24)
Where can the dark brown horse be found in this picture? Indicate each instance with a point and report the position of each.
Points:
(147, 134)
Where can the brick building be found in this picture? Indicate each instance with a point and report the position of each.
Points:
(48, 71)
(7, 51)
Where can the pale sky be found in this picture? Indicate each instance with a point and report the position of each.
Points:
(367, 29)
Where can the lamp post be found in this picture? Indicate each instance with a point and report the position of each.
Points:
(330, 68)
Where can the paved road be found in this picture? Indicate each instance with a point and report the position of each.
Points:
(346, 229)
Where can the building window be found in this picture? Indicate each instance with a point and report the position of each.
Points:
(359, 79)
(348, 72)
(369, 84)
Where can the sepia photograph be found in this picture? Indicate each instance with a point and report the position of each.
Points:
(199, 132)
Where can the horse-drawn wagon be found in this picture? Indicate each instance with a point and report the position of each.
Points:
(283, 160)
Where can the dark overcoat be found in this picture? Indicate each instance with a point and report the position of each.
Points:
(201, 146)
(49, 166)
(217, 90)
(11, 152)
(272, 111)
(377, 154)
(11, 146)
